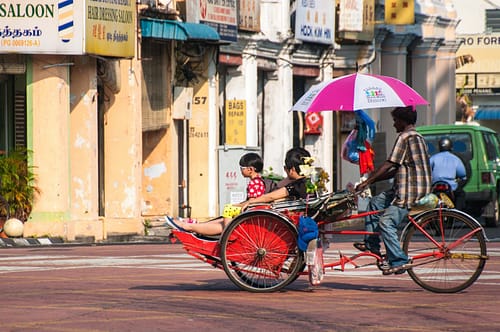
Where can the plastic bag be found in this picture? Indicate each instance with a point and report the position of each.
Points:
(349, 148)
(364, 121)
(231, 211)
(308, 230)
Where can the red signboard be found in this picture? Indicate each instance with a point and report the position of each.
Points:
(314, 124)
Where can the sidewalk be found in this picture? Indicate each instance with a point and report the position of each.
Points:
(56, 241)
(157, 234)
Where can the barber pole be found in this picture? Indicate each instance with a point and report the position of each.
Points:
(66, 23)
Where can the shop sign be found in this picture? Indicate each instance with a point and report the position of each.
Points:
(315, 21)
(33, 27)
(249, 15)
(236, 115)
(220, 15)
(351, 15)
(356, 20)
(101, 27)
(314, 123)
(479, 40)
(480, 91)
(478, 53)
(477, 63)
(399, 12)
(110, 27)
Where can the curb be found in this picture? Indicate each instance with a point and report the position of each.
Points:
(56, 241)
(23, 242)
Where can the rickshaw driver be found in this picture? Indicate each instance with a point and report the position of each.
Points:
(408, 164)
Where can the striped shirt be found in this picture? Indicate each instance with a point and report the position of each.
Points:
(413, 177)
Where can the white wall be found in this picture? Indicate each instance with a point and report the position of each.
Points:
(274, 19)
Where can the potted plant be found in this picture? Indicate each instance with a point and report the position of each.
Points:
(17, 185)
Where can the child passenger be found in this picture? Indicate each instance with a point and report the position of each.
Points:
(251, 166)
(294, 188)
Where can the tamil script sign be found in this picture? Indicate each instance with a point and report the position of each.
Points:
(41, 27)
(101, 27)
(110, 27)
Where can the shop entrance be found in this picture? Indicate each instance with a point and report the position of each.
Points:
(12, 112)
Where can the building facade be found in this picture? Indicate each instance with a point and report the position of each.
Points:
(477, 74)
(276, 60)
(122, 134)
(70, 93)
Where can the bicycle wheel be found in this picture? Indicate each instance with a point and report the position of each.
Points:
(457, 262)
(259, 251)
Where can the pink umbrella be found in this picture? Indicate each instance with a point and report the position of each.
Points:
(358, 92)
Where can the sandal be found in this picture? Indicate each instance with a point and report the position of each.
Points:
(361, 246)
(172, 224)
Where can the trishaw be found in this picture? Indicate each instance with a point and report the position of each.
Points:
(259, 253)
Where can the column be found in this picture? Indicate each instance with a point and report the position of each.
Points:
(425, 78)
(123, 153)
(393, 63)
(213, 127)
(446, 91)
(249, 69)
(48, 111)
(83, 147)
(323, 149)
(278, 124)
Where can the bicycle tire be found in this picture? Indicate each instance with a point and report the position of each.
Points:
(259, 251)
(447, 270)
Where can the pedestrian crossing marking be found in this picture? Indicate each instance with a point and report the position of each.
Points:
(179, 262)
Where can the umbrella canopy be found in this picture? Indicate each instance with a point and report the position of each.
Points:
(356, 92)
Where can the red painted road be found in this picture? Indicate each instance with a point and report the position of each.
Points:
(160, 288)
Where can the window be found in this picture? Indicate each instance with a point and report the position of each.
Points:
(462, 144)
(493, 20)
(491, 143)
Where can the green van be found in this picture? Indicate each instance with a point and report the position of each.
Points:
(478, 147)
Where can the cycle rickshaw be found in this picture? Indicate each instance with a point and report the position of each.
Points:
(258, 250)
(259, 253)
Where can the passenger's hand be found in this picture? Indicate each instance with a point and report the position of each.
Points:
(244, 206)
(361, 186)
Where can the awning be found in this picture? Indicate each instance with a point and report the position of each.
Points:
(487, 113)
(175, 30)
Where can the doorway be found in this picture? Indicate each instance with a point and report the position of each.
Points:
(12, 112)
